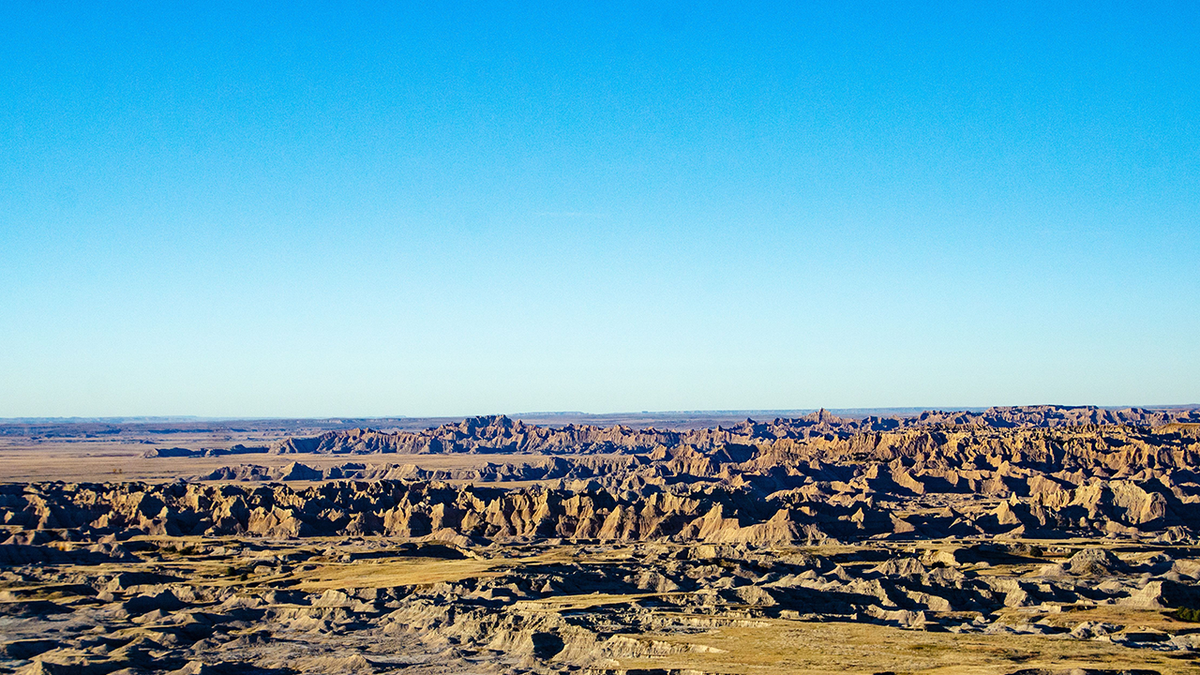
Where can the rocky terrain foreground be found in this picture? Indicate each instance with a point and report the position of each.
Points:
(1015, 540)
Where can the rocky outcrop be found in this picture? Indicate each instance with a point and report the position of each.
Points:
(578, 549)
(641, 506)
(596, 608)
(499, 434)
(787, 481)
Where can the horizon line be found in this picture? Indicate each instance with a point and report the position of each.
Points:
(571, 413)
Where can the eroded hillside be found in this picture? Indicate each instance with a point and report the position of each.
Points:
(1012, 540)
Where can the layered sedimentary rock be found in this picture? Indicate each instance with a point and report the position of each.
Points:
(501, 434)
(790, 481)
(613, 546)
(886, 500)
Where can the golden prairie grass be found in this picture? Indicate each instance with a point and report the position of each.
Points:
(851, 648)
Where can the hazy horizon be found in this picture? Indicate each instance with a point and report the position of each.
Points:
(897, 410)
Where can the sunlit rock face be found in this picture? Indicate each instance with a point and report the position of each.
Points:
(1066, 533)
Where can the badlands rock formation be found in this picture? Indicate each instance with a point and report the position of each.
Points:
(1069, 533)
(501, 434)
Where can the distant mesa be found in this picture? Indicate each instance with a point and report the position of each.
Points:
(238, 449)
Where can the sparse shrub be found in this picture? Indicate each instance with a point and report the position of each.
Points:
(1189, 614)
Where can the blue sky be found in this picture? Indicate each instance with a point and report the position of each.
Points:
(459, 209)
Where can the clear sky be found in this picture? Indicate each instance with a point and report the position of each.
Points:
(307, 209)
